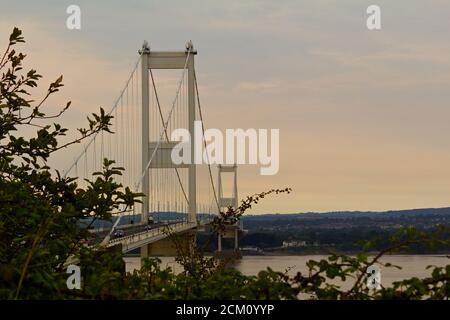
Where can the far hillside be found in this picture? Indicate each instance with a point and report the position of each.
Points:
(335, 231)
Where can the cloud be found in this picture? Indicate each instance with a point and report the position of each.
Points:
(263, 85)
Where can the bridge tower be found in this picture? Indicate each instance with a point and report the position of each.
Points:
(225, 202)
(167, 60)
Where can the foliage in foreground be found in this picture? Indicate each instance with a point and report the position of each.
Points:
(40, 209)
(40, 229)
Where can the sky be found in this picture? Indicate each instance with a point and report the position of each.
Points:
(363, 115)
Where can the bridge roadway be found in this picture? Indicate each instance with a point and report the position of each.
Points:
(129, 229)
(140, 235)
(136, 236)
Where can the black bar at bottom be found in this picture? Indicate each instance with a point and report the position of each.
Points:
(223, 309)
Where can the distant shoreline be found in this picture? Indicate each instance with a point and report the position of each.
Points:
(269, 254)
(318, 253)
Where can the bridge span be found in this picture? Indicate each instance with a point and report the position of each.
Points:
(139, 141)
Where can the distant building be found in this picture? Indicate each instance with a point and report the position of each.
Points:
(294, 244)
(251, 249)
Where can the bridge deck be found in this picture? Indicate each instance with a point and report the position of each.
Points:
(139, 239)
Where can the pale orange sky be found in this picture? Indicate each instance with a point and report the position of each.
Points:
(363, 116)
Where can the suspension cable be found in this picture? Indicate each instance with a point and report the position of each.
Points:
(116, 103)
(204, 141)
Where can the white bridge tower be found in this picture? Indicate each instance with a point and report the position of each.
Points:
(167, 60)
(231, 231)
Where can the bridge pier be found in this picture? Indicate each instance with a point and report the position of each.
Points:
(230, 232)
(169, 247)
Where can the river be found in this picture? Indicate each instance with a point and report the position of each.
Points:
(412, 265)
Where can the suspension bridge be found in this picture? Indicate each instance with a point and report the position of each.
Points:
(179, 198)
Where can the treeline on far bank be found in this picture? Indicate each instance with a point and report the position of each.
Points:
(340, 232)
